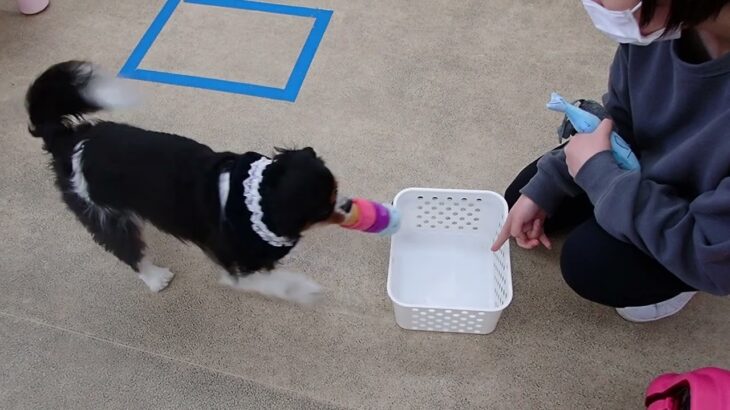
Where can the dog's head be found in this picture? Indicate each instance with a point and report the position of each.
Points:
(298, 192)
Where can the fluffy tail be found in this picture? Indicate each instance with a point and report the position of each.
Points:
(72, 89)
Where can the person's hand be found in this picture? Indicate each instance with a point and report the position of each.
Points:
(525, 223)
(583, 147)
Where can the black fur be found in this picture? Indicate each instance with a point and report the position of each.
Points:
(168, 180)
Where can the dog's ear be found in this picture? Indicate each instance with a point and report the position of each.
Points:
(310, 151)
(307, 150)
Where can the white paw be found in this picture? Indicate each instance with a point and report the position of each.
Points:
(299, 288)
(155, 277)
(226, 279)
(293, 287)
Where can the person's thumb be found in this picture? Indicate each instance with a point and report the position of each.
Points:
(605, 127)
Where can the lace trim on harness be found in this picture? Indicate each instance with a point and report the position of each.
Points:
(252, 198)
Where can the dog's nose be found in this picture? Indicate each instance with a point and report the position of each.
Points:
(344, 205)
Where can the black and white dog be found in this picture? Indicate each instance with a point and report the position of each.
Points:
(246, 211)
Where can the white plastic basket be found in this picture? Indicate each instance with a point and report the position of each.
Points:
(443, 276)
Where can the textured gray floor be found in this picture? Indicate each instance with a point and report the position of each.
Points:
(409, 93)
(49, 367)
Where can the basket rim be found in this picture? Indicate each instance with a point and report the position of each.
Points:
(506, 247)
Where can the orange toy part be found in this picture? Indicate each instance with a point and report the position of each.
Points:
(352, 217)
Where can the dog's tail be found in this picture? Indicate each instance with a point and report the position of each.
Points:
(69, 90)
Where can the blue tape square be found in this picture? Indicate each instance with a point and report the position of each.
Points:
(296, 78)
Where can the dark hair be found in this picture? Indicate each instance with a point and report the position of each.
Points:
(684, 13)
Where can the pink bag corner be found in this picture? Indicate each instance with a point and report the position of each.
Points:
(702, 389)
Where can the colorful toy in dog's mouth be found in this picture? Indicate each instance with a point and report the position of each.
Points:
(368, 216)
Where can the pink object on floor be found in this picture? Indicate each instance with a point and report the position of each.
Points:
(702, 389)
(32, 6)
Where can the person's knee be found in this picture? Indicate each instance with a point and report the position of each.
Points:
(577, 268)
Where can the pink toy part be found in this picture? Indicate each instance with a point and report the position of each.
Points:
(32, 6)
(382, 218)
(703, 389)
(367, 214)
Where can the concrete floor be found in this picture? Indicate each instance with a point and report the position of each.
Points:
(432, 93)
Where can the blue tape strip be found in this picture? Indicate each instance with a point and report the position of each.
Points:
(258, 6)
(296, 78)
(301, 67)
(148, 38)
(211, 84)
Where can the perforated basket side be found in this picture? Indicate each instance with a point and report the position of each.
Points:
(502, 272)
(446, 320)
(445, 210)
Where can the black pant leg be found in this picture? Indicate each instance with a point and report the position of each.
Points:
(611, 272)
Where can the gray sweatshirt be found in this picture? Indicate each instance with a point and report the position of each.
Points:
(676, 116)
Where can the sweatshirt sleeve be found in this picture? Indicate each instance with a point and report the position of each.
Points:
(617, 101)
(552, 182)
(690, 238)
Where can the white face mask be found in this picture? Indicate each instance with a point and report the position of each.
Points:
(621, 26)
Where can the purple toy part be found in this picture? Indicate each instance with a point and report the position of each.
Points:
(382, 219)
(394, 223)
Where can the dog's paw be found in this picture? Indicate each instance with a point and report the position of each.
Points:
(298, 288)
(226, 279)
(293, 287)
(155, 277)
